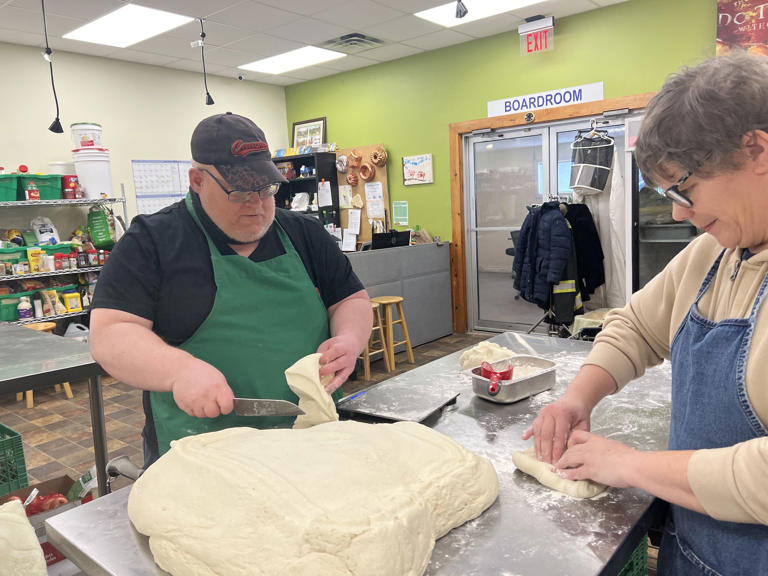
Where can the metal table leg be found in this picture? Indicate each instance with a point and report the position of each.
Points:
(99, 432)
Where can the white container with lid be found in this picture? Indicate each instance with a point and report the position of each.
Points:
(93, 171)
(86, 135)
(61, 167)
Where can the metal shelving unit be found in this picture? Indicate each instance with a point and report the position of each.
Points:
(51, 318)
(45, 274)
(76, 202)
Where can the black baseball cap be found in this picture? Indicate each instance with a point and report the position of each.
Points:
(238, 150)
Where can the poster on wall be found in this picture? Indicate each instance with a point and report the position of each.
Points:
(417, 169)
(742, 25)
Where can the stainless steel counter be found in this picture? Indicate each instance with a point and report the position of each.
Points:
(528, 530)
(30, 360)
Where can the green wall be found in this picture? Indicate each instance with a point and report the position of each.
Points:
(408, 104)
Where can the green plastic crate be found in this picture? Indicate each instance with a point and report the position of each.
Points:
(48, 184)
(8, 187)
(13, 470)
(637, 565)
(60, 248)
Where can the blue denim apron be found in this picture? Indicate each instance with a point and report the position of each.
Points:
(710, 409)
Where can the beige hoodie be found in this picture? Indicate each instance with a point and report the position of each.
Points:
(731, 483)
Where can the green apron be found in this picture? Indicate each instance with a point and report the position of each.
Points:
(265, 316)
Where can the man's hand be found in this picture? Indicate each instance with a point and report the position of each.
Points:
(201, 390)
(338, 358)
(553, 426)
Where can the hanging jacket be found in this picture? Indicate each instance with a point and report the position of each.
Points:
(589, 253)
(541, 261)
(566, 294)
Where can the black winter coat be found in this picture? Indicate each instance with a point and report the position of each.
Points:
(542, 257)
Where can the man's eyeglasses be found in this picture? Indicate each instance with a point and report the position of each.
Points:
(674, 194)
(240, 196)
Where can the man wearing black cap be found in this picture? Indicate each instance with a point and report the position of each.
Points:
(215, 296)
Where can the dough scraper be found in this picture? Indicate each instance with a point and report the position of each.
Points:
(264, 407)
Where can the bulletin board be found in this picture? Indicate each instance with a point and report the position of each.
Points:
(378, 183)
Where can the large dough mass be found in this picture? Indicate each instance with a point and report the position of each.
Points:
(20, 552)
(483, 352)
(527, 462)
(334, 499)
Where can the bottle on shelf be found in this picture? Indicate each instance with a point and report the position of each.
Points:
(25, 308)
(32, 192)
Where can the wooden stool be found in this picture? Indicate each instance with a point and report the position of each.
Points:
(376, 345)
(387, 302)
(43, 327)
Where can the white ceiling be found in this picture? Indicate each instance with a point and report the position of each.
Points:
(241, 31)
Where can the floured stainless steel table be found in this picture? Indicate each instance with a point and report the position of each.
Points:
(30, 360)
(528, 530)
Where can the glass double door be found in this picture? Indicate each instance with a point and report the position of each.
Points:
(507, 171)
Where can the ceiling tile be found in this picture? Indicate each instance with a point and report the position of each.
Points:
(23, 38)
(194, 66)
(439, 39)
(215, 33)
(607, 2)
(402, 28)
(193, 8)
(349, 63)
(227, 57)
(261, 46)
(490, 26)
(358, 14)
(283, 80)
(169, 46)
(141, 57)
(310, 31)
(25, 20)
(411, 6)
(305, 7)
(254, 16)
(391, 52)
(71, 8)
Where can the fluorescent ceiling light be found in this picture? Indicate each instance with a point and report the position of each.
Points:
(127, 25)
(445, 14)
(293, 60)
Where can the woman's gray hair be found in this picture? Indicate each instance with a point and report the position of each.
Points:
(697, 120)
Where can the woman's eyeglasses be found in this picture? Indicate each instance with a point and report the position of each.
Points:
(674, 194)
(240, 196)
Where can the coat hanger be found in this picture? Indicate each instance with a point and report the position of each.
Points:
(596, 138)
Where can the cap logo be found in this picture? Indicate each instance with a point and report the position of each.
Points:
(240, 148)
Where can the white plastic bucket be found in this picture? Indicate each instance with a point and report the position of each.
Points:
(93, 171)
(60, 167)
(86, 135)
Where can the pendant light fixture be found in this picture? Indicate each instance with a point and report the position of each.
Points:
(56, 124)
(461, 10)
(208, 99)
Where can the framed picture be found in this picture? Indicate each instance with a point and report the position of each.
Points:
(308, 132)
(417, 169)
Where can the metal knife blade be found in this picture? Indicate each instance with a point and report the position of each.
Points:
(263, 407)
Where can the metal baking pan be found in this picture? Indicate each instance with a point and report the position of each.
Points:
(519, 387)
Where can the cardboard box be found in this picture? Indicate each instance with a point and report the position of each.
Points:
(57, 563)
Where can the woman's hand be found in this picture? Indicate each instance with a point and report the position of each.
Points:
(592, 457)
(553, 426)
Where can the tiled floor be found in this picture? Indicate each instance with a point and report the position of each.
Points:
(57, 432)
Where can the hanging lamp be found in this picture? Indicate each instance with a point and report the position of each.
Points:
(56, 124)
(208, 98)
(461, 10)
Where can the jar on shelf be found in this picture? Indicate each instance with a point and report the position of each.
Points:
(93, 257)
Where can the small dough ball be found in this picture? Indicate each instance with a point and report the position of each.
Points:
(483, 352)
(527, 462)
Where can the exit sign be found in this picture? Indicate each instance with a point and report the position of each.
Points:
(539, 41)
(537, 35)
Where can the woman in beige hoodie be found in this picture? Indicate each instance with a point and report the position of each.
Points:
(704, 141)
